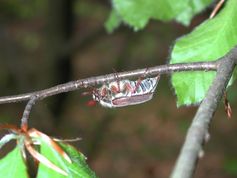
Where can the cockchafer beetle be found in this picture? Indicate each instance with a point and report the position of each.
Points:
(125, 92)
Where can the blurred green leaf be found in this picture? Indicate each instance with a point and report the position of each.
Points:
(137, 13)
(13, 165)
(209, 41)
(112, 22)
(77, 169)
(193, 8)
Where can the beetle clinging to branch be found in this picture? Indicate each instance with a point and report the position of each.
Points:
(125, 92)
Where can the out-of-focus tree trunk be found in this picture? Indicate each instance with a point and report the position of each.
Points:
(56, 68)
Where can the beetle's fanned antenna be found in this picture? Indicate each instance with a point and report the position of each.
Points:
(51, 142)
(25, 117)
(43, 159)
(217, 7)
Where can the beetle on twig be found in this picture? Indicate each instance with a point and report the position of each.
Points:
(125, 92)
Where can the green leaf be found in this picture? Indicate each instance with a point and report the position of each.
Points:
(209, 41)
(77, 169)
(13, 165)
(193, 8)
(137, 13)
(112, 22)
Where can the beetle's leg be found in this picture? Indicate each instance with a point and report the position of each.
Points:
(157, 80)
(128, 87)
(91, 102)
(103, 93)
(91, 91)
(94, 99)
(115, 89)
(86, 93)
(117, 80)
(95, 95)
(139, 81)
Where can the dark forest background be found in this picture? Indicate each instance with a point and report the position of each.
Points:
(44, 43)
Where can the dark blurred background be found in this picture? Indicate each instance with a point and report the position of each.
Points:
(44, 43)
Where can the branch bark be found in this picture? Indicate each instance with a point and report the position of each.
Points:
(26, 113)
(198, 132)
(92, 81)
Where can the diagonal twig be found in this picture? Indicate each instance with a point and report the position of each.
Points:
(198, 131)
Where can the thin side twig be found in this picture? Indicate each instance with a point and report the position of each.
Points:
(26, 113)
(193, 146)
(92, 81)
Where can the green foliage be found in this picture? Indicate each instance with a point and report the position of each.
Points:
(231, 166)
(112, 22)
(13, 165)
(192, 8)
(209, 41)
(77, 169)
(137, 13)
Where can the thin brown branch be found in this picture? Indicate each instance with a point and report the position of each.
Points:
(26, 113)
(92, 81)
(193, 146)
